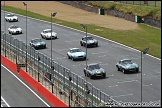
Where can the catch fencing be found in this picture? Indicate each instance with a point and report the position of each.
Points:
(61, 81)
(143, 3)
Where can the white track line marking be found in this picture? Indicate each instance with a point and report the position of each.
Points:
(102, 56)
(122, 95)
(72, 41)
(25, 85)
(100, 52)
(127, 81)
(147, 85)
(4, 102)
(113, 86)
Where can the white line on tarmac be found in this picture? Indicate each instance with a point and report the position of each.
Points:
(100, 52)
(134, 58)
(102, 56)
(111, 75)
(122, 95)
(78, 65)
(113, 86)
(4, 102)
(140, 74)
(147, 85)
(127, 81)
(104, 64)
(25, 85)
(63, 49)
(59, 58)
(72, 40)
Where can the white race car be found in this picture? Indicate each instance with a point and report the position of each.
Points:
(46, 34)
(14, 29)
(11, 17)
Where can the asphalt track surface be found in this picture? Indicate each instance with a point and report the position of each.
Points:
(16, 93)
(121, 87)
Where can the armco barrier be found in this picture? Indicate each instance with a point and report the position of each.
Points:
(9, 64)
(33, 83)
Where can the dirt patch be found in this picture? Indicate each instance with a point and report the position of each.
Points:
(72, 14)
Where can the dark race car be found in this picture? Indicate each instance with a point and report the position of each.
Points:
(90, 41)
(126, 65)
(37, 43)
(94, 70)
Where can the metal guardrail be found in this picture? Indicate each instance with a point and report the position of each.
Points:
(55, 75)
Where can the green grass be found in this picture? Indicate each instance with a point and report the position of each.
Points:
(145, 36)
(137, 10)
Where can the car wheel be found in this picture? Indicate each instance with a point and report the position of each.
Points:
(90, 76)
(72, 58)
(81, 43)
(96, 44)
(123, 70)
(84, 73)
(84, 58)
(42, 36)
(137, 70)
(68, 57)
(118, 68)
(84, 44)
(104, 75)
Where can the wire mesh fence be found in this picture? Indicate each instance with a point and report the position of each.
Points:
(61, 81)
(143, 3)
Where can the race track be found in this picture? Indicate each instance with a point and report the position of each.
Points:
(121, 87)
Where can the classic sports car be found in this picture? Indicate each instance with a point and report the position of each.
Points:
(94, 70)
(37, 43)
(76, 53)
(90, 41)
(14, 29)
(46, 34)
(11, 17)
(126, 65)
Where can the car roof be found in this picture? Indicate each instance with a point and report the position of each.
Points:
(36, 38)
(125, 59)
(87, 36)
(74, 48)
(46, 29)
(11, 14)
(92, 64)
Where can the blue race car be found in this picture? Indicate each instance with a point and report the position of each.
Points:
(76, 53)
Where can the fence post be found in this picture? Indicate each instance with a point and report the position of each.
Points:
(38, 66)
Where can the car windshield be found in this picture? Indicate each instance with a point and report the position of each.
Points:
(10, 15)
(37, 40)
(96, 66)
(48, 31)
(14, 27)
(75, 50)
(89, 38)
(127, 62)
